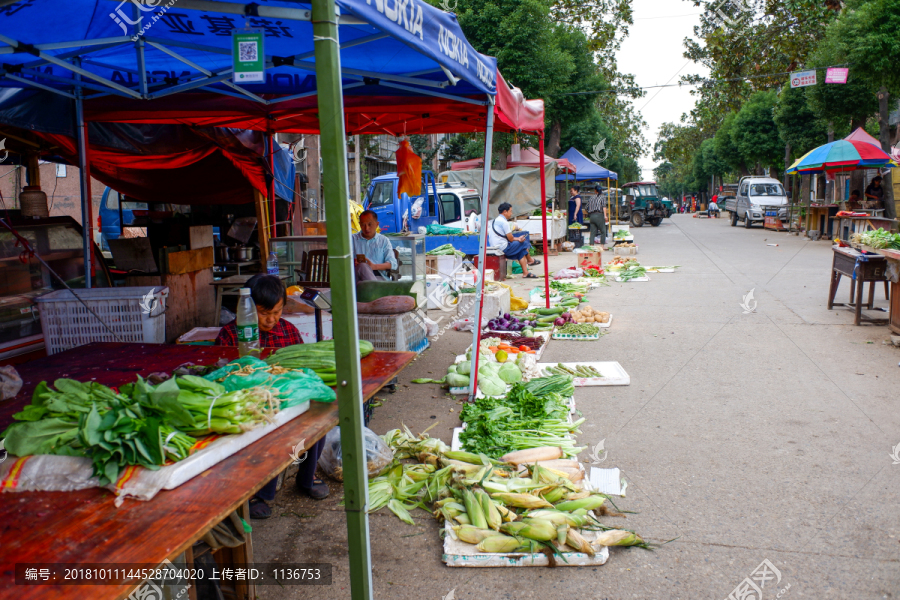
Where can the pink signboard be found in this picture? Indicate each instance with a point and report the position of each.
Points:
(836, 75)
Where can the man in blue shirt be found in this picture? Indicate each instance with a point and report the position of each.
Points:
(374, 253)
(500, 236)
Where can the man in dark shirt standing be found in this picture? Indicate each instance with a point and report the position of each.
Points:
(875, 193)
(596, 212)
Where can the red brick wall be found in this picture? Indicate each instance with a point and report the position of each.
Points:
(63, 193)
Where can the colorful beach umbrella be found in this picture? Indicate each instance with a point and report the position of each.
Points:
(842, 155)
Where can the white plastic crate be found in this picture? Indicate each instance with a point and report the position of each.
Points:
(135, 314)
(394, 333)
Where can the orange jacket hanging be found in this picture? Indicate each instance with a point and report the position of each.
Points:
(409, 169)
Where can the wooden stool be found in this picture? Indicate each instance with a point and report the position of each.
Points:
(860, 268)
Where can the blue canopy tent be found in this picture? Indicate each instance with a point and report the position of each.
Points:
(333, 67)
(588, 170)
(585, 168)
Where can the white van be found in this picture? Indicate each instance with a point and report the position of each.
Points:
(754, 196)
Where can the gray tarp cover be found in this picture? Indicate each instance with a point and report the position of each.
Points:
(520, 186)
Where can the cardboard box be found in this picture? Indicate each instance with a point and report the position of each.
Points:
(588, 259)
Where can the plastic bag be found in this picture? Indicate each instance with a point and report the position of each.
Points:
(293, 387)
(568, 273)
(416, 209)
(378, 454)
(567, 246)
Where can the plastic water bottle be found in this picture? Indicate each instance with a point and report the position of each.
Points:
(272, 263)
(247, 325)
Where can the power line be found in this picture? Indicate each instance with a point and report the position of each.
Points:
(702, 82)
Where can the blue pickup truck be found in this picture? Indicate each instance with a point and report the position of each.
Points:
(453, 205)
(115, 208)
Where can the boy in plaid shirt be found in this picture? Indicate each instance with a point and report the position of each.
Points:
(270, 296)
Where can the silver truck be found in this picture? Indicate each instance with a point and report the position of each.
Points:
(755, 196)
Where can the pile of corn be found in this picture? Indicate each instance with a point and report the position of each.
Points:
(519, 504)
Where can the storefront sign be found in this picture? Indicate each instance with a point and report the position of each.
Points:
(836, 75)
(803, 78)
(249, 56)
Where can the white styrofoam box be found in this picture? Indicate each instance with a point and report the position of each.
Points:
(134, 314)
(616, 228)
(623, 251)
(468, 277)
(611, 371)
(460, 554)
(306, 325)
(436, 290)
(496, 303)
(448, 265)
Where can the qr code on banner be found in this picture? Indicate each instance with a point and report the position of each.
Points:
(247, 52)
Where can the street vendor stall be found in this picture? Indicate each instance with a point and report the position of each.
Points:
(168, 525)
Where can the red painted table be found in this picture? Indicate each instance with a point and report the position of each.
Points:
(85, 526)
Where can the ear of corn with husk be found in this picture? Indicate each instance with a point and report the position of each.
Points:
(498, 543)
(619, 537)
(522, 500)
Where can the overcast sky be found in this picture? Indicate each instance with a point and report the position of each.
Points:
(654, 53)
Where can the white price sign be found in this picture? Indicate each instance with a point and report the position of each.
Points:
(803, 78)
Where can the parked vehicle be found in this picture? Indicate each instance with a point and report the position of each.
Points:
(754, 195)
(645, 204)
(450, 204)
(115, 212)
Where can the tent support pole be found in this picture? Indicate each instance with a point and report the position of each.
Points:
(343, 295)
(482, 245)
(544, 223)
(84, 173)
(270, 148)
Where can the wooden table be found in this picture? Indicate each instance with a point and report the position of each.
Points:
(85, 526)
(893, 257)
(860, 268)
(231, 286)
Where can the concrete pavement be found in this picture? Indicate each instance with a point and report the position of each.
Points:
(743, 438)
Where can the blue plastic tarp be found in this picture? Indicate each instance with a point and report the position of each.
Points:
(586, 169)
(378, 47)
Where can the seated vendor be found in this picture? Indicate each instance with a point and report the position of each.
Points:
(854, 202)
(874, 194)
(515, 247)
(374, 254)
(270, 295)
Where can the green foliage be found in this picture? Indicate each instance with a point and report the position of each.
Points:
(797, 124)
(726, 148)
(755, 134)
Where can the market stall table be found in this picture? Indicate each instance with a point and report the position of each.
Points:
(847, 226)
(893, 258)
(860, 268)
(86, 527)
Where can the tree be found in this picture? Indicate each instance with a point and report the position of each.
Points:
(755, 134)
(797, 124)
(726, 147)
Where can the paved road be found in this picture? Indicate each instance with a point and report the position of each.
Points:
(743, 437)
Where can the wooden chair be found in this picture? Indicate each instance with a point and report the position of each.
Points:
(315, 272)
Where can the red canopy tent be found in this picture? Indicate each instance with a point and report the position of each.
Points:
(530, 158)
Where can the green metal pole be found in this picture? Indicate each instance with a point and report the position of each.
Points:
(343, 294)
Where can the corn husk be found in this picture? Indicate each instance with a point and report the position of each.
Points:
(618, 537)
(590, 503)
(533, 529)
(498, 543)
(505, 514)
(472, 535)
(558, 517)
(522, 500)
(491, 514)
(396, 507)
(577, 541)
(473, 509)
